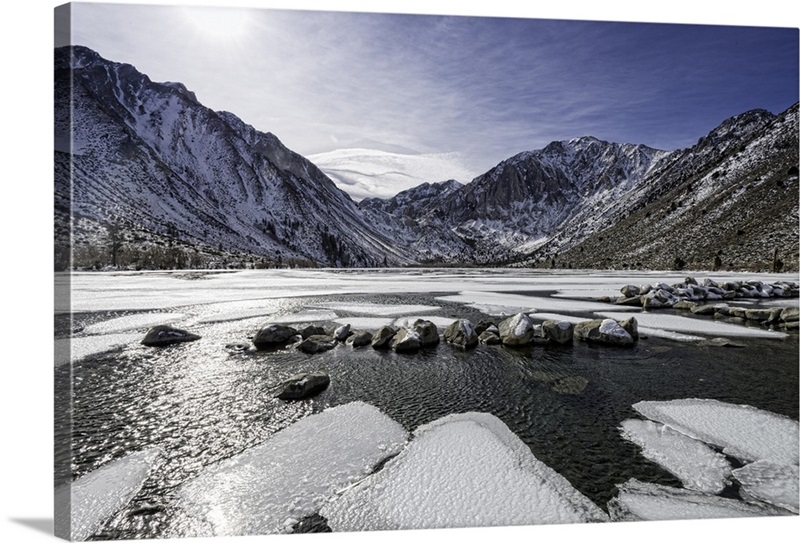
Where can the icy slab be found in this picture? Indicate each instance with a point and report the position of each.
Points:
(677, 323)
(556, 317)
(81, 347)
(381, 310)
(408, 321)
(744, 432)
(496, 303)
(132, 322)
(311, 315)
(771, 483)
(101, 493)
(459, 471)
(235, 315)
(365, 323)
(646, 501)
(697, 465)
(668, 334)
(294, 472)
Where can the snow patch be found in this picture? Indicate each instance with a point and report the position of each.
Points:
(132, 322)
(77, 348)
(383, 310)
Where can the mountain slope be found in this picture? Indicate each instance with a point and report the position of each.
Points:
(150, 157)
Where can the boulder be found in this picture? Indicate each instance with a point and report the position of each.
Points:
(516, 330)
(341, 333)
(707, 309)
(738, 312)
(161, 336)
(312, 330)
(359, 338)
(603, 331)
(761, 315)
(631, 326)
(427, 332)
(560, 332)
(489, 337)
(690, 281)
(304, 385)
(461, 334)
(484, 325)
(382, 337)
(790, 314)
(405, 340)
(633, 300)
(273, 335)
(317, 344)
(629, 291)
(571, 384)
(684, 304)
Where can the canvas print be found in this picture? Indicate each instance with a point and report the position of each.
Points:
(330, 271)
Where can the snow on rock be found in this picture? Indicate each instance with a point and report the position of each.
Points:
(77, 348)
(772, 483)
(744, 432)
(646, 501)
(132, 322)
(697, 465)
(294, 472)
(94, 497)
(459, 471)
(677, 323)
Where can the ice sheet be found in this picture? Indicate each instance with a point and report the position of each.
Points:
(269, 487)
(556, 317)
(647, 501)
(771, 483)
(697, 465)
(743, 431)
(676, 323)
(311, 315)
(667, 334)
(383, 310)
(101, 493)
(364, 323)
(459, 471)
(81, 347)
(408, 321)
(132, 322)
(516, 303)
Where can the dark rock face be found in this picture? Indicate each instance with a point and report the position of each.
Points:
(312, 330)
(631, 326)
(461, 334)
(273, 335)
(560, 332)
(516, 330)
(603, 331)
(484, 325)
(405, 341)
(382, 337)
(161, 336)
(317, 344)
(304, 385)
(489, 337)
(428, 334)
(790, 314)
(359, 339)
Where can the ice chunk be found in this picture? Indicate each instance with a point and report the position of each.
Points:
(647, 501)
(311, 315)
(697, 465)
(76, 348)
(667, 334)
(676, 323)
(94, 497)
(132, 322)
(294, 472)
(772, 483)
(459, 471)
(743, 431)
(382, 310)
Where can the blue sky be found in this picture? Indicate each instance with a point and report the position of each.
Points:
(484, 88)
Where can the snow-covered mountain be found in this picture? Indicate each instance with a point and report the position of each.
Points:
(372, 173)
(148, 159)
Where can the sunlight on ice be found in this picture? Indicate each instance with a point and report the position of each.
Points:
(381, 310)
(99, 494)
(294, 472)
(132, 322)
(73, 349)
(459, 471)
(771, 483)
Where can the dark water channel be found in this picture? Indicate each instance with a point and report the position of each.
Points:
(203, 402)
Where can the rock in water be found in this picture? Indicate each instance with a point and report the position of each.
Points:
(607, 332)
(304, 385)
(312, 330)
(484, 325)
(382, 337)
(341, 333)
(516, 330)
(317, 344)
(428, 334)
(790, 314)
(560, 332)
(160, 336)
(461, 334)
(630, 291)
(273, 335)
(631, 326)
(405, 340)
(359, 339)
(489, 337)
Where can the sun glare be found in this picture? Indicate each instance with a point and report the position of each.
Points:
(219, 24)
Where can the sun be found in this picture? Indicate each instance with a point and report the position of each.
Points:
(219, 24)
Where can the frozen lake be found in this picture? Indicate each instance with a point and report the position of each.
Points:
(203, 402)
